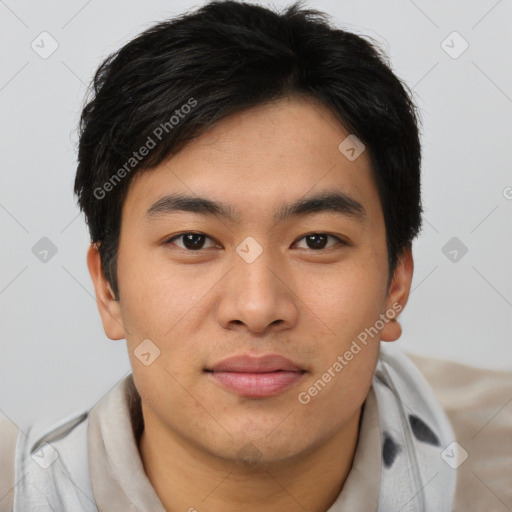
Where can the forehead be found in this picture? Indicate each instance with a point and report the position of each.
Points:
(259, 159)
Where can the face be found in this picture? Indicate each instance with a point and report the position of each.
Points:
(258, 280)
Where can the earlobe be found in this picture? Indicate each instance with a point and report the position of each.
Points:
(108, 307)
(398, 295)
(391, 331)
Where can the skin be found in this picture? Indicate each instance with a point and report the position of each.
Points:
(204, 446)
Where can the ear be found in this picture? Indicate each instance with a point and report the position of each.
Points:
(109, 308)
(398, 294)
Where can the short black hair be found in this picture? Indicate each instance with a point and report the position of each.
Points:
(180, 77)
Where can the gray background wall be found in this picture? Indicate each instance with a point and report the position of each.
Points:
(55, 357)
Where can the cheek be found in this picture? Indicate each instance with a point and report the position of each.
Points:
(347, 300)
(153, 295)
(348, 305)
(347, 355)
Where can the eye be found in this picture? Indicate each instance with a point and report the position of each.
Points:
(318, 241)
(191, 241)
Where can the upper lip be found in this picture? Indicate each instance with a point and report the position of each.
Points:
(255, 364)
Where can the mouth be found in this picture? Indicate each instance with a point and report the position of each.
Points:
(256, 377)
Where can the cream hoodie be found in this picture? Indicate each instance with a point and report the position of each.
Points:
(90, 461)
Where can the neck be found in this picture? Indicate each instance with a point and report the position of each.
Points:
(186, 477)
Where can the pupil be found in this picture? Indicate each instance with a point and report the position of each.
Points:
(193, 243)
(318, 238)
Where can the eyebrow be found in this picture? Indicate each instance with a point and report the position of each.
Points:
(336, 202)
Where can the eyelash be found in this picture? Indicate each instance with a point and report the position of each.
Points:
(339, 240)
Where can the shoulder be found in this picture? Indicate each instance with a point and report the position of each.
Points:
(8, 436)
(478, 402)
(46, 463)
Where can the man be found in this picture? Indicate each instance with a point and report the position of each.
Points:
(251, 182)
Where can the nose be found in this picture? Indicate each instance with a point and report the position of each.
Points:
(258, 296)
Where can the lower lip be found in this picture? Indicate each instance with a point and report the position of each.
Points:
(257, 385)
